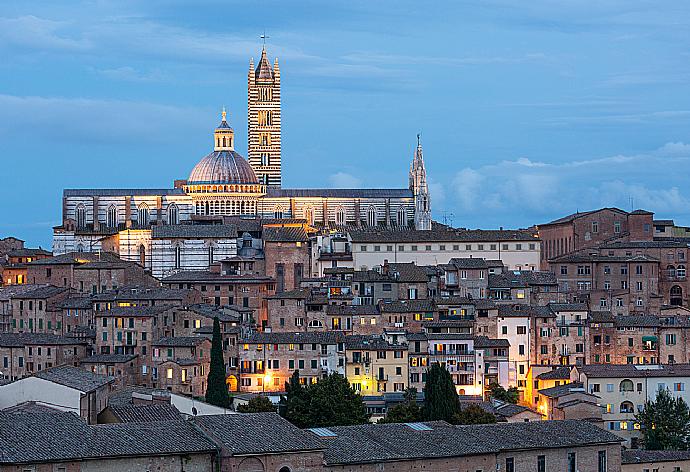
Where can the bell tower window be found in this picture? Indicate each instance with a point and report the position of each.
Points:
(81, 216)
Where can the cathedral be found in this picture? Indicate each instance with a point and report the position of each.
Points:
(138, 222)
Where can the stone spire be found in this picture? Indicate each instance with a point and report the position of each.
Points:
(224, 135)
(420, 189)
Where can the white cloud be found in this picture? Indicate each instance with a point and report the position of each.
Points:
(130, 74)
(344, 180)
(39, 33)
(530, 191)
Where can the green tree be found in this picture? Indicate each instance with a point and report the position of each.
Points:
(259, 404)
(406, 412)
(499, 393)
(216, 388)
(665, 422)
(329, 402)
(294, 405)
(440, 398)
(473, 414)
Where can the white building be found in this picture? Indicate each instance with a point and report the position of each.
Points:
(623, 390)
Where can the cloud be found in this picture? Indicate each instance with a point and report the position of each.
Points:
(529, 192)
(86, 119)
(130, 74)
(344, 180)
(39, 33)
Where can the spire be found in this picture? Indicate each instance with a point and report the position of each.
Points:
(263, 68)
(420, 188)
(223, 114)
(224, 135)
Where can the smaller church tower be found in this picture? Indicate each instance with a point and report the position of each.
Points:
(420, 190)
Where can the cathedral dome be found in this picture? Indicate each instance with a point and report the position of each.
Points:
(222, 167)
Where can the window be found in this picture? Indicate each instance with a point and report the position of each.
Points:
(402, 217)
(564, 270)
(595, 226)
(572, 462)
(602, 461)
(510, 464)
(340, 216)
(371, 216)
(111, 217)
(173, 214)
(143, 215)
(81, 216)
(541, 463)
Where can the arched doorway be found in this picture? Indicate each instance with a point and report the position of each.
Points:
(251, 464)
(231, 381)
(676, 295)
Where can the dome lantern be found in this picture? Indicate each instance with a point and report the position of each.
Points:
(224, 135)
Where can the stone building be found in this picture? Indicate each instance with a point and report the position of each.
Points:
(13, 264)
(23, 354)
(37, 310)
(181, 364)
(375, 365)
(268, 360)
(287, 256)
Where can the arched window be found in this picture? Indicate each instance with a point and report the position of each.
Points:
(81, 216)
(315, 324)
(371, 216)
(309, 215)
(627, 386)
(278, 212)
(402, 216)
(208, 211)
(671, 271)
(285, 469)
(143, 215)
(80, 247)
(339, 216)
(178, 257)
(680, 271)
(210, 254)
(173, 214)
(142, 255)
(676, 295)
(111, 217)
(627, 407)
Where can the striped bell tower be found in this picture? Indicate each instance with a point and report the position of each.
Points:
(263, 120)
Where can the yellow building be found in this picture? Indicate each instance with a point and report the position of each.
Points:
(375, 366)
(540, 377)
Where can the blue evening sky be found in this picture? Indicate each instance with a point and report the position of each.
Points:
(528, 109)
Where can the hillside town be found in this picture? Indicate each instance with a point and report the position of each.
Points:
(230, 323)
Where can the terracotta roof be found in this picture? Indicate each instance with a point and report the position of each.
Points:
(284, 234)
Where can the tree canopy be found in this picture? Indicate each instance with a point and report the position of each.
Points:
(499, 393)
(328, 402)
(216, 388)
(258, 404)
(473, 414)
(440, 397)
(406, 412)
(665, 422)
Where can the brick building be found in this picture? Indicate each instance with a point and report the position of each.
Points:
(13, 264)
(375, 365)
(23, 354)
(287, 256)
(181, 364)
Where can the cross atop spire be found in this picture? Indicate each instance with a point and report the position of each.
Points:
(419, 139)
(264, 37)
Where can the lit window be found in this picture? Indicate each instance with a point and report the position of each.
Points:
(169, 373)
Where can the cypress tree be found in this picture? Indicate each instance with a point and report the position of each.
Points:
(216, 389)
(440, 398)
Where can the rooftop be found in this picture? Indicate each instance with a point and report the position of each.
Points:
(316, 337)
(74, 377)
(640, 456)
(634, 370)
(193, 231)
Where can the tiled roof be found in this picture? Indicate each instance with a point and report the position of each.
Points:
(407, 306)
(640, 321)
(561, 390)
(374, 443)
(644, 244)
(438, 235)
(449, 336)
(520, 310)
(224, 313)
(11, 291)
(316, 337)
(298, 294)
(479, 303)
(640, 456)
(73, 377)
(486, 342)
(634, 370)
(371, 343)
(123, 396)
(78, 258)
(557, 307)
(559, 373)
(43, 339)
(257, 433)
(284, 234)
(145, 413)
(46, 291)
(180, 341)
(447, 324)
(340, 192)
(192, 276)
(134, 311)
(194, 231)
(121, 192)
(349, 310)
(109, 358)
(583, 257)
(28, 252)
(468, 263)
(521, 279)
(83, 303)
(574, 216)
(143, 293)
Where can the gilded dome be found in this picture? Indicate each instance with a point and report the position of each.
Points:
(222, 167)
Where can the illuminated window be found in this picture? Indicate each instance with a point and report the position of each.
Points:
(197, 324)
(169, 373)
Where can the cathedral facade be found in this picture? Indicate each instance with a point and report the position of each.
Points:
(225, 184)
